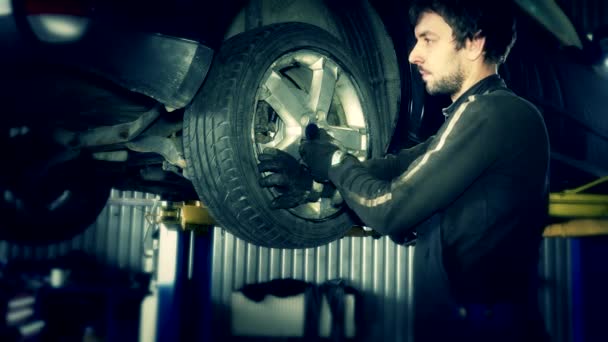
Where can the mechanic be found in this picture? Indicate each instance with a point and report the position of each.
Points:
(475, 194)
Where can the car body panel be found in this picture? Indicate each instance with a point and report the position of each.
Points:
(167, 68)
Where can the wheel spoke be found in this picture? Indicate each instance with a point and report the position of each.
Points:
(323, 85)
(314, 209)
(325, 206)
(290, 143)
(349, 138)
(285, 101)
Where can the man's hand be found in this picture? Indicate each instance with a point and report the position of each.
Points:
(290, 179)
(317, 151)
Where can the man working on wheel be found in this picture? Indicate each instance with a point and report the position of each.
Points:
(475, 193)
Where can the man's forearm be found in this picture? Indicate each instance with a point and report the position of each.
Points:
(392, 165)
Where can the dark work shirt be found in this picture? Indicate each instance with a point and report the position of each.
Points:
(484, 172)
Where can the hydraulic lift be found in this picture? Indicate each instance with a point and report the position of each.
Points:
(179, 306)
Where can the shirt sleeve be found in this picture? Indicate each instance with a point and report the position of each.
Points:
(462, 149)
(392, 165)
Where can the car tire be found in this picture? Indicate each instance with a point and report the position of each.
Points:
(221, 141)
(48, 193)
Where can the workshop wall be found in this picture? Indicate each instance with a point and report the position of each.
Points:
(377, 267)
(116, 239)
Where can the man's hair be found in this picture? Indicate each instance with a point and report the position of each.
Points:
(494, 20)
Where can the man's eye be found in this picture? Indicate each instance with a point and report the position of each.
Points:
(427, 41)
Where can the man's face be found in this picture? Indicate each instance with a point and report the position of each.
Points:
(435, 55)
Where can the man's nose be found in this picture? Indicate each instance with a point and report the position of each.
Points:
(414, 57)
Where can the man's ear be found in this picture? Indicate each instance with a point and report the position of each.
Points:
(475, 46)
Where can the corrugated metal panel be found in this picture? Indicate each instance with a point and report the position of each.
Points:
(115, 239)
(556, 292)
(379, 268)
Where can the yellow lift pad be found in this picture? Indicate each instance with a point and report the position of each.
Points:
(576, 203)
(587, 212)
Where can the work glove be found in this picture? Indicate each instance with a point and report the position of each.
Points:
(289, 178)
(317, 151)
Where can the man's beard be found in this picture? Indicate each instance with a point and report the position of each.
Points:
(449, 85)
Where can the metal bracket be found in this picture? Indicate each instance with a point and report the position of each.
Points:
(577, 228)
(166, 147)
(186, 216)
(587, 212)
(575, 203)
(108, 135)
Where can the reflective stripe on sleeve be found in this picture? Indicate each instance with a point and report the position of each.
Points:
(383, 198)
